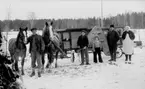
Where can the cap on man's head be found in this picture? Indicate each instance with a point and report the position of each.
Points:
(33, 29)
(84, 31)
(112, 26)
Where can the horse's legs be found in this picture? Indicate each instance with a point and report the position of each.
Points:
(15, 64)
(48, 58)
(22, 64)
(56, 56)
(43, 60)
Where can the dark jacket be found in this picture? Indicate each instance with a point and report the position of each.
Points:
(36, 43)
(0, 38)
(112, 38)
(83, 41)
(130, 33)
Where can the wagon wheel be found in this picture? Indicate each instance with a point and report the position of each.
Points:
(79, 55)
(119, 52)
(75, 57)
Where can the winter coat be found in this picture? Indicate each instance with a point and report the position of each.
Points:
(36, 43)
(83, 41)
(130, 33)
(128, 45)
(112, 38)
(0, 38)
(96, 44)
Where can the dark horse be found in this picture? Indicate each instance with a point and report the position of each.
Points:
(17, 49)
(50, 49)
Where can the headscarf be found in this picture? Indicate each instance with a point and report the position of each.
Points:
(127, 28)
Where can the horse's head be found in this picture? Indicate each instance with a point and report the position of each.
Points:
(21, 38)
(46, 31)
(47, 26)
(22, 35)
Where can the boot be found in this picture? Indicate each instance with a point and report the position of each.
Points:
(39, 74)
(129, 62)
(33, 73)
(126, 62)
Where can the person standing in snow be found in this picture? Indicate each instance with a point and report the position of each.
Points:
(36, 49)
(128, 45)
(112, 38)
(0, 38)
(96, 49)
(83, 43)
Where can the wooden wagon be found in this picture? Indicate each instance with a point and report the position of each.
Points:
(70, 36)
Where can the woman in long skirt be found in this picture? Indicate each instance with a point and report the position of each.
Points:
(128, 43)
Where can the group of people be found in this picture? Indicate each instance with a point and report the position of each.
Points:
(112, 39)
(37, 46)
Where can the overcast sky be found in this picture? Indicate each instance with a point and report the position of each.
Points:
(20, 9)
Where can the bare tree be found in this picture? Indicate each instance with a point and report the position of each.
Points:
(32, 18)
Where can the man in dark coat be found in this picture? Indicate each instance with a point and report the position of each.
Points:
(112, 38)
(0, 38)
(37, 47)
(83, 44)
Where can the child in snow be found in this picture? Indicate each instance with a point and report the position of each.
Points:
(97, 50)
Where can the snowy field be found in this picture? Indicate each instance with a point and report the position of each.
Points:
(95, 76)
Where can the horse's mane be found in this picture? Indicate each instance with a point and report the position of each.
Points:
(19, 43)
(18, 36)
(45, 31)
(46, 35)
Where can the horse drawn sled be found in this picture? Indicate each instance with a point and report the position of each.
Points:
(70, 36)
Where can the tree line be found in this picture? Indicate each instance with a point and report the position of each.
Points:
(135, 20)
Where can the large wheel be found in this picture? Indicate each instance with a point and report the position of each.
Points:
(119, 52)
(75, 56)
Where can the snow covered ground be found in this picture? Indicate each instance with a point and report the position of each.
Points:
(95, 76)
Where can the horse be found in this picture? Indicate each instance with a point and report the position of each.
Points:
(17, 49)
(50, 49)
